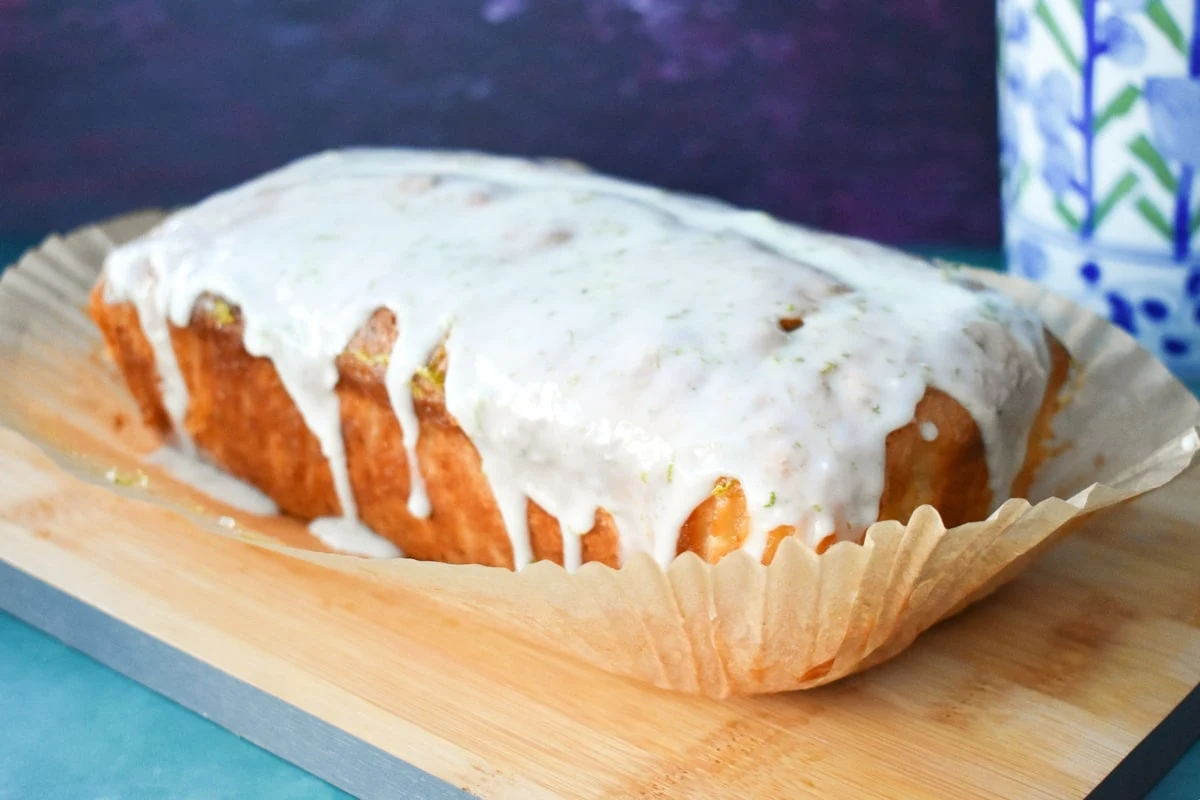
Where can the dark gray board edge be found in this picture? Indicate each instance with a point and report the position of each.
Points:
(292, 734)
(1156, 755)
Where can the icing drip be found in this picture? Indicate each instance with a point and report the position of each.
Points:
(608, 345)
(146, 294)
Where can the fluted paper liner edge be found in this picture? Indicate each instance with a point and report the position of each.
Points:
(738, 627)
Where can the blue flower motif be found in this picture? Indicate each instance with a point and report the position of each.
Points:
(1015, 80)
(1010, 142)
(1175, 117)
(1155, 309)
(1174, 346)
(1122, 42)
(1120, 311)
(1090, 272)
(1052, 102)
(1128, 6)
(1192, 287)
(1058, 167)
(1031, 259)
(1016, 24)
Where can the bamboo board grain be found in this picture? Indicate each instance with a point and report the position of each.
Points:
(1038, 692)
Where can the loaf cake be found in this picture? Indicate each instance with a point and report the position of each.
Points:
(493, 361)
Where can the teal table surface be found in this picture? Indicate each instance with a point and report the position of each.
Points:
(72, 729)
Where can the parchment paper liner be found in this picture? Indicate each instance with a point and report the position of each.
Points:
(734, 628)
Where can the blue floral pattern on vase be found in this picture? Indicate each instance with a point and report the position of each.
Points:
(1030, 260)
(1121, 42)
(1174, 105)
(1099, 149)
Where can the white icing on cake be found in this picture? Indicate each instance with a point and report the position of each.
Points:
(929, 431)
(609, 345)
(146, 291)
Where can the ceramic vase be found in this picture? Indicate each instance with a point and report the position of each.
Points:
(1099, 150)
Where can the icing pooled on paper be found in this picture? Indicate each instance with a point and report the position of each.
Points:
(351, 536)
(212, 481)
(609, 345)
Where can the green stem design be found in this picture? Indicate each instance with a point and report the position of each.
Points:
(1069, 218)
(1019, 183)
(1148, 154)
(1162, 19)
(1121, 105)
(1151, 214)
(1043, 13)
(1123, 187)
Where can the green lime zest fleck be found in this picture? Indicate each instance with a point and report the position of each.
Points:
(771, 501)
(645, 477)
(817, 507)
(829, 367)
(135, 478)
(670, 472)
(221, 312)
(370, 359)
(875, 409)
(722, 486)
(947, 269)
(432, 375)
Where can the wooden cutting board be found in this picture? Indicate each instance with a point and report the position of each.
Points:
(1037, 692)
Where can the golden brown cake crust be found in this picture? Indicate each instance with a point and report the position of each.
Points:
(242, 418)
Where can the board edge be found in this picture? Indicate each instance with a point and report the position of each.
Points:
(264, 720)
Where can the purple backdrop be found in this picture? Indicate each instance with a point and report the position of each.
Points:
(870, 117)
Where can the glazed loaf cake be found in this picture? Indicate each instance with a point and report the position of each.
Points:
(486, 360)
